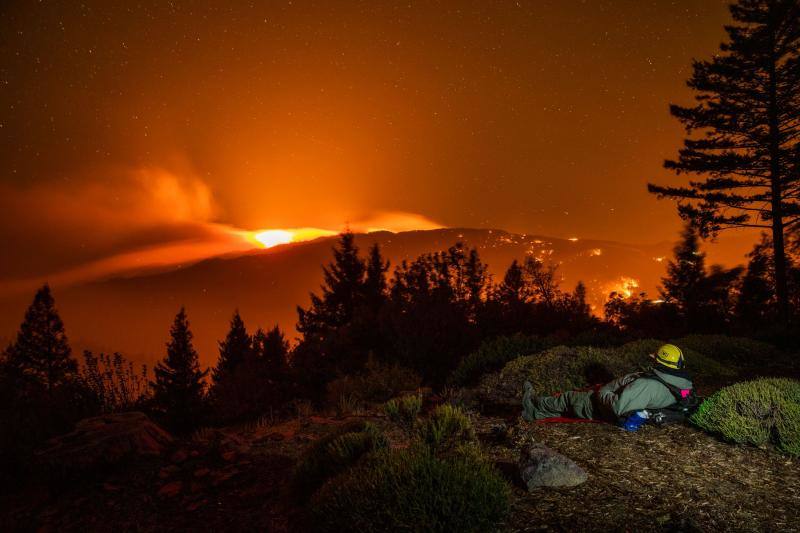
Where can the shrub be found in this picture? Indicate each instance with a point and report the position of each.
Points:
(725, 349)
(413, 490)
(403, 411)
(347, 405)
(755, 412)
(377, 383)
(114, 381)
(334, 453)
(446, 429)
(492, 354)
(574, 367)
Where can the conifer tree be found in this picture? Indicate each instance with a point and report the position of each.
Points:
(41, 356)
(179, 386)
(341, 292)
(375, 284)
(748, 112)
(234, 350)
(273, 349)
(578, 301)
(755, 304)
(685, 273)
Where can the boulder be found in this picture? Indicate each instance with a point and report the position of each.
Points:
(542, 467)
(104, 440)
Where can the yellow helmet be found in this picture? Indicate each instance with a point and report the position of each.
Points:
(669, 356)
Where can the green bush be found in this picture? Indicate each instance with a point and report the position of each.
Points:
(755, 412)
(333, 454)
(403, 411)
(413, 490)
(377, 383)
(492, 354)
(573, 367)
(725, 349)
(446, 429)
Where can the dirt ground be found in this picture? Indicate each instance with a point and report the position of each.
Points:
(659, 479)
(673, 478)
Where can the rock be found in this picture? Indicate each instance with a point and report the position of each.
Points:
(542, 467)
(171, 489)
(105, 439)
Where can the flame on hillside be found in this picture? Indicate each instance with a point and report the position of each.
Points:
(273, 237)
(625, 286)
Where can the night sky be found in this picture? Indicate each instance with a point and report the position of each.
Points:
(142, 126)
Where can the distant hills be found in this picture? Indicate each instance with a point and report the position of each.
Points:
(132, 314)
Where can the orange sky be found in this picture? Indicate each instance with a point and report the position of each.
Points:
(132, 128)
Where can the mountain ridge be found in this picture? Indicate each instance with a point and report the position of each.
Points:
(132, 313)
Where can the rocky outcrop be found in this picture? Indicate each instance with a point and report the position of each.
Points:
(542, 467)
(104, 440)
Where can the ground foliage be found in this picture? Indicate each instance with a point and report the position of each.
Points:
(755, 412)
(414, 490)
(333, 454)
(403, 411)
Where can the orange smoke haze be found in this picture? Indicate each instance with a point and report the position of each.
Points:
(150, 218)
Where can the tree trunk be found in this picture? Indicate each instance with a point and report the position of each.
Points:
(779, 252)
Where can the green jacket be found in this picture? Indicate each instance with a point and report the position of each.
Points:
(635, 392)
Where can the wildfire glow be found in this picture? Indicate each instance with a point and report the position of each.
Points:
(625, 286)
(273, 237)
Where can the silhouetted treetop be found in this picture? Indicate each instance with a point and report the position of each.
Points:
(41, 355)
(747, 126)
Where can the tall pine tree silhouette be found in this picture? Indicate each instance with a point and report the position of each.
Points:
(234, 350)
(747, 112)
(40, 357)
(341, 292)
(179, 387)
(375, 285)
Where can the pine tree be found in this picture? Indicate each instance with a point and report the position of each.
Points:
(179, 387)
(234, 350)
(686, 274)
(341, 292)
(755, 305)
(578, 302)
(748, 112)
(273, 349)
(375, 281)
(40, 357)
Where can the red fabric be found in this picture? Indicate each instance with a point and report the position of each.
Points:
(565, 420)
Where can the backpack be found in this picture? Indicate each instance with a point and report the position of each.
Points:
(680, 411)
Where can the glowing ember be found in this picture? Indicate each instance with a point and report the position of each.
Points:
(595, 252)
(573, 239)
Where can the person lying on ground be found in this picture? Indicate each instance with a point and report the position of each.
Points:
(666, 384)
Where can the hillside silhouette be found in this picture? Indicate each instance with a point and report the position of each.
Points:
(267, 285)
